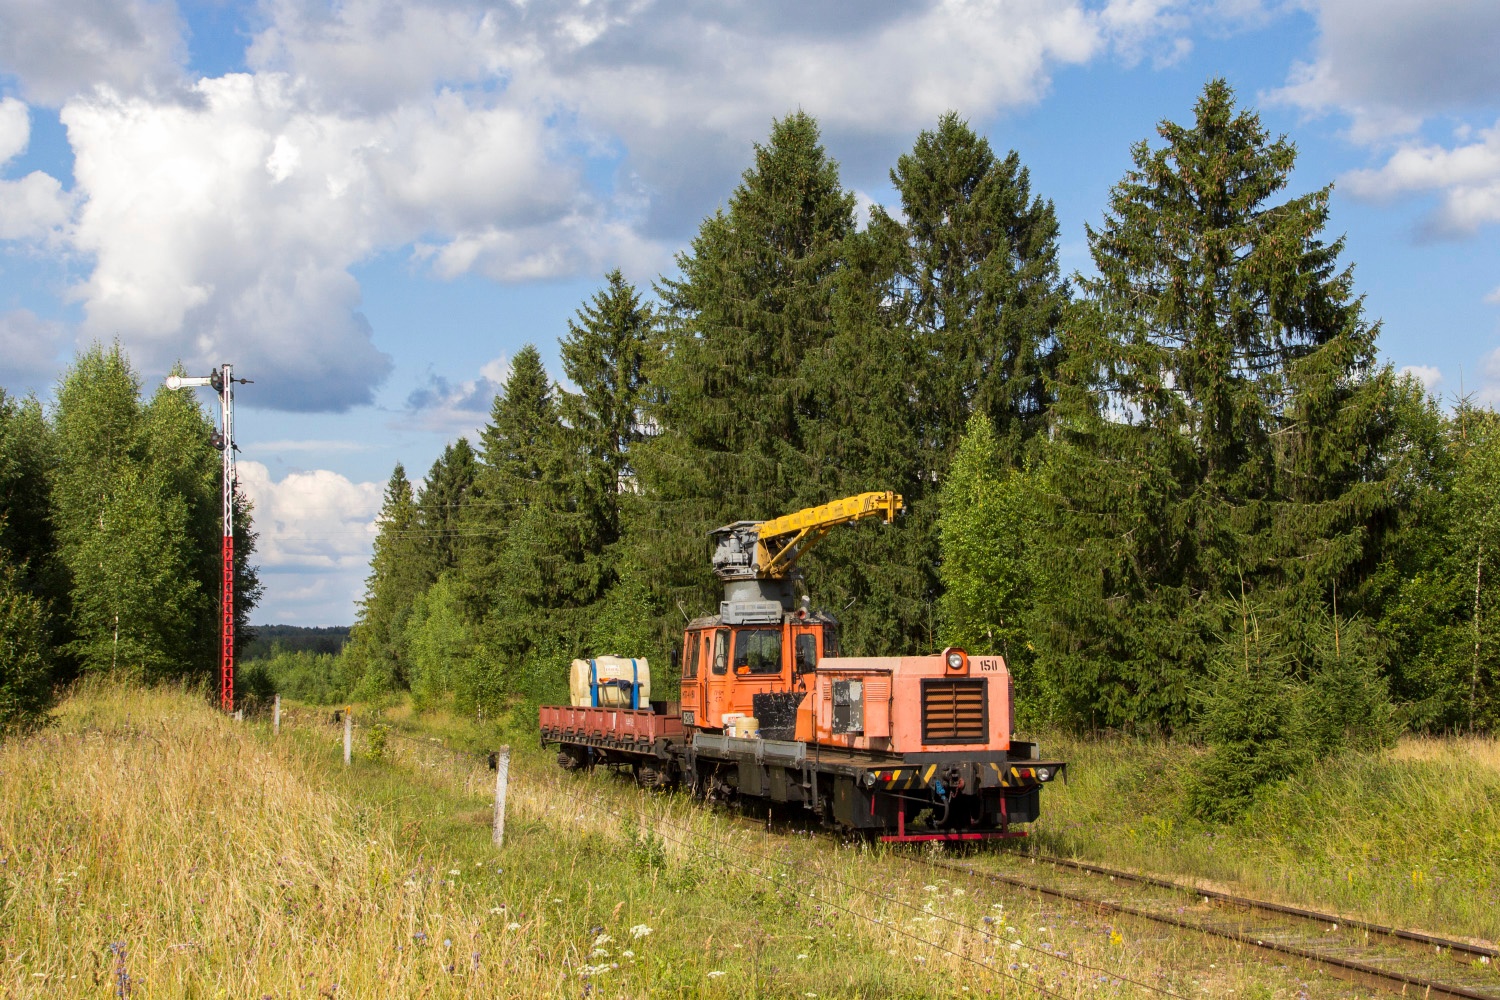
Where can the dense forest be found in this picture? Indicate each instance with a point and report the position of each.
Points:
(1181, 494)
(1175, 487)
(110, 527)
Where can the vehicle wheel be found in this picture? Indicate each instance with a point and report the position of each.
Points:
(569, 760)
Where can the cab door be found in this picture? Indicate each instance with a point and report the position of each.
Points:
(692, 681)
(718, 680)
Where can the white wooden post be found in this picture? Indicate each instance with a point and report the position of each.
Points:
(502, 776)
(348, 735)
(276, 717)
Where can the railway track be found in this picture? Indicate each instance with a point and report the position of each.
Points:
(1409, 963)
(1404, 962)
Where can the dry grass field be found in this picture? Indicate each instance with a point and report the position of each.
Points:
(1409, 837)
(152, 848)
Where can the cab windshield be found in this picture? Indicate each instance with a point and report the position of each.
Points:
(757, 651)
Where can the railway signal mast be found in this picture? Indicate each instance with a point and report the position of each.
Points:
(222, 382)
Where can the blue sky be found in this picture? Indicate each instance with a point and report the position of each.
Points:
(368, 206)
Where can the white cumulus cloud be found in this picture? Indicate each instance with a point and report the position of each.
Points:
(223, 217)
(35, 206)
(316, 533)
(1390, 63)
(1466, 179)
(1393, 66)
(59, 48)
(1428, 375)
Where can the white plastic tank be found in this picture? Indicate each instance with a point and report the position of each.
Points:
(614, 675)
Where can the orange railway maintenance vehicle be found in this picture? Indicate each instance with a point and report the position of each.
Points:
(907, 748)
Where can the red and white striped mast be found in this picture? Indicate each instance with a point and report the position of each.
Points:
(222, 382)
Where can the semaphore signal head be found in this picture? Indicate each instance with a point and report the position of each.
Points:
(187, 381)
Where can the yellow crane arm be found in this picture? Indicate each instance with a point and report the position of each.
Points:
(782, 541)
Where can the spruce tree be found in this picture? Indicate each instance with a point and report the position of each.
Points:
(977, 284)
(948, 310)
(441, 503)
(1222, 426)
(730, 396)
(866, 434)
(513, 562)
(604, 355)
(512, 451)
(377, 654)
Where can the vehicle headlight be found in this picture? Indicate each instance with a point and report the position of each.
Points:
(869, 779)
(955, 661)
(1044, 774)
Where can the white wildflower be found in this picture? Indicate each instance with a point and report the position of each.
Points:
(627, 953)
(598, 953)
(454, 871)
(715, 974)
(639, 931)
(602, 940)
(512, 926)
(802, 956)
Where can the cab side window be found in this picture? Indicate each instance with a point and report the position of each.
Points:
(757, 651)
(690, 661)
(721, 651)
(807, 652)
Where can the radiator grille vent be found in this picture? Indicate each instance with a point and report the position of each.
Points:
(954, 711)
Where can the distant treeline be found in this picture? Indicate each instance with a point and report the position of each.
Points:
(110, 528)
(270, 639)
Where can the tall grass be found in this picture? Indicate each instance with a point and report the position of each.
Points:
(1409, 836)
(150, 847)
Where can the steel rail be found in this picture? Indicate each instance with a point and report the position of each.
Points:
(1385, 976)
(1419, 937)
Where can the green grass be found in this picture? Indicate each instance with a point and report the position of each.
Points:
(1409, 837)
(145, 835)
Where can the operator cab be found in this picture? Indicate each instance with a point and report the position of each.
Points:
(756, 667)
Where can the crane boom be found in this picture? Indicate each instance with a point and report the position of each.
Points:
(783, 540)
(769, 550)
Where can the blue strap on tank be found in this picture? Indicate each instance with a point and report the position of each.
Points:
(594, 683)
(635, 685)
